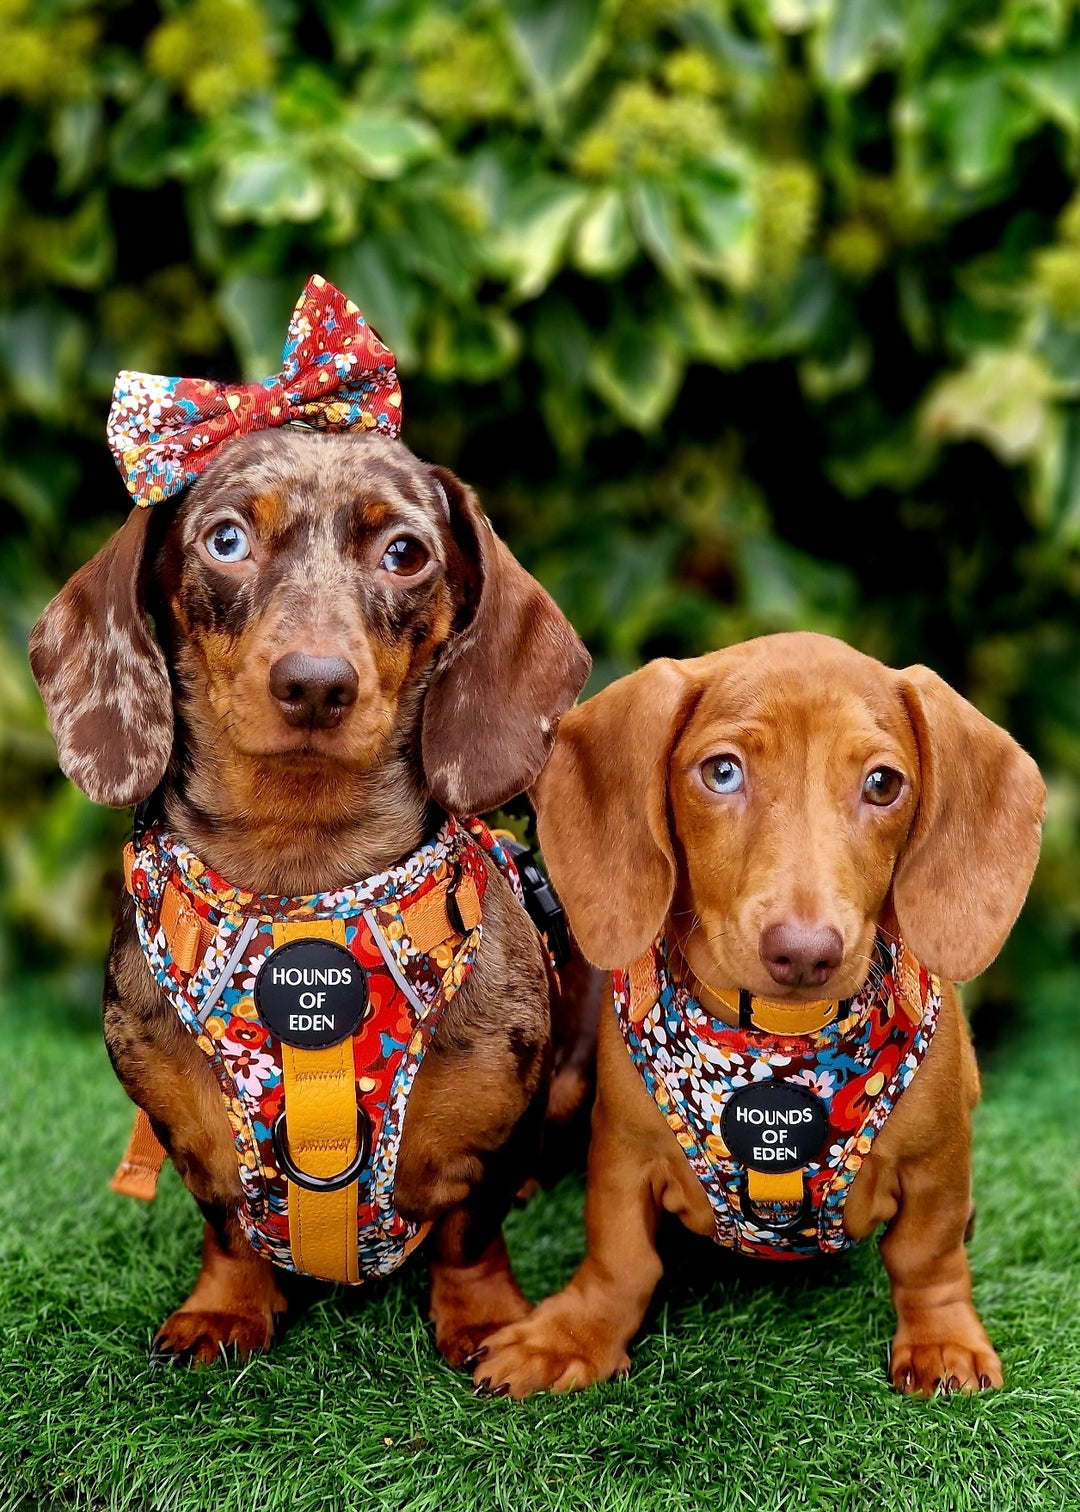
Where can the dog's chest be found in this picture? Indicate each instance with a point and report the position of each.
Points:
(776, 1127)
(315, 1014)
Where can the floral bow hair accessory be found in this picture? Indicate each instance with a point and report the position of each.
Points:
(335, 374)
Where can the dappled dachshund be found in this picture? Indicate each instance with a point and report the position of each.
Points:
(311, 659)
(786, 852)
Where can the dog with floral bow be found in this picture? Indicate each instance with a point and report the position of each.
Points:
(310, 661)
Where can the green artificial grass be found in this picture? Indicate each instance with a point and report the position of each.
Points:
(752, 1387)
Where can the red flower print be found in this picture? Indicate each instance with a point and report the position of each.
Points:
(854, 1103)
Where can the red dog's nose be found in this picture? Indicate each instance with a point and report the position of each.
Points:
(313, 690)
(799, 957)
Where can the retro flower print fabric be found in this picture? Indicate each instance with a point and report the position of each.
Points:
(857, 1067)
(336, 374)
(216, 1004)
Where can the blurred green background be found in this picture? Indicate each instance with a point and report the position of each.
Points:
(741, 317)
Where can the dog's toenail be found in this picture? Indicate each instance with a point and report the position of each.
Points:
(158, 1357)
(984, 1383)
(482, 1388)
(952, 1384)
(475, 1358)
(503, 1390)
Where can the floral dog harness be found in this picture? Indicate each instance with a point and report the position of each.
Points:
(315, 1014)
(776, 1121)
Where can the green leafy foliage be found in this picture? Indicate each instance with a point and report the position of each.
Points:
(742, 314)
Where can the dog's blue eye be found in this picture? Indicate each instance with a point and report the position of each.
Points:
(722, 774)
(228, 543)
(882, 786)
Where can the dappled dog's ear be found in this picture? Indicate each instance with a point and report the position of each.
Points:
(962, 878)
(102, 674)
(602, 811)
(504, 678)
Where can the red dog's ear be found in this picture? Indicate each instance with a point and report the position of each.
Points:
(602, 811)
(503, 680)
(963, 876)
(102, 674)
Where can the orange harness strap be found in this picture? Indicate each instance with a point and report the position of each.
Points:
(320, 1099)
(138, 1172)
(320, 1102)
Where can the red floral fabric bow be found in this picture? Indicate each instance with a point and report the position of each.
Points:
(335, 374)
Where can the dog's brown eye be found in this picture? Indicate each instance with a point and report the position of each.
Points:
(404, 557)
(723, 774)
(882, 786)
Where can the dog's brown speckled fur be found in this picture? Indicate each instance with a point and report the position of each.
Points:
(464, 669)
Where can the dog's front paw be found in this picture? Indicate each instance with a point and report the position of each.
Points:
(190, 1337)
(471, 1302)
(947, 1365)
(549, 1351)
(461, 1340)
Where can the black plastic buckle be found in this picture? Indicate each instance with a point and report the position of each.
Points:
(322, 1183)
(541, 902)
(142, 819)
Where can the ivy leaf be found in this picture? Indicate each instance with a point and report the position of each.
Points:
(719, 214)
(655, 215)
(255, 309)
(1001, 399)
(77, 135)
(268, 186)
(42, 348)
(604, 243)
(859, 37)
(784, 588)
(806, 316)
(79, 251)
(532, 233)
(558, 45)
(140, 147)
(478, 347)
(562, 344)
(1053, 86)
(1056, 494)
(437, 247)
(637, 371)
(979, 118)
(383, 147)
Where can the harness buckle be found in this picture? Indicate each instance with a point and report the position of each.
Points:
(541, 903)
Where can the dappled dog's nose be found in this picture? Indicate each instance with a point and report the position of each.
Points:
(796, 956)
(313, 690)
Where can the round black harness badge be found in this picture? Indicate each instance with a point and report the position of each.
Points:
(312, 993)
(774, 1126)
